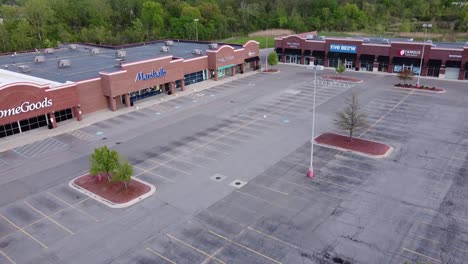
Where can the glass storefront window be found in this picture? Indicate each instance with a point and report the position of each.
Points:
(63, 115)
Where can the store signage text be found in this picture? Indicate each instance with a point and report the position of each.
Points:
(455, 56)
(410, 53)
(293, 44)
(343, 48)
(251, 54)
(229, 58)
(26, 107)
(152, 75)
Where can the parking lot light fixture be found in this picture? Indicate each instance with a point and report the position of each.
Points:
(310, 173)
(425, 26)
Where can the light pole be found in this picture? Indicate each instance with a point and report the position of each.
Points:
(425, 26)
(196, 28)
(310, 173)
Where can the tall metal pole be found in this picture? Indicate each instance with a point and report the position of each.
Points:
(311, 167)
(266, 49)
(422, 55)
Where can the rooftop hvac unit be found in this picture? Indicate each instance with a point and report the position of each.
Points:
(169, 43)
(63, 63)
(386, 41)
(322, 37)
(310, 37)
(24, 68)
(73, 46)
(120, 54)
(94, 51)
(39, 59)
(197, 52)
(213, 45)
(366, 40)
(49, 51)
(164, 49)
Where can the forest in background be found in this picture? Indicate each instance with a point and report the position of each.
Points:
(29, 24)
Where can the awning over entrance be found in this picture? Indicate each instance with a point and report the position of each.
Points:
(225, 67)
(256, 58)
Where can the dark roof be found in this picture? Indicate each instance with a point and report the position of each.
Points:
(380, 40)
(86, 66)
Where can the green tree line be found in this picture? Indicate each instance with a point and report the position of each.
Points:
(29, 24)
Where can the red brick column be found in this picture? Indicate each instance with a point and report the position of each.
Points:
(302, 57)
(112, 103)
(52, 119)
(283, 57)
(182, 85)
(77, 113)
(375, 66)
(127, 100)
(242, 67)
(172, 87)
(216, 74)
(233, 70)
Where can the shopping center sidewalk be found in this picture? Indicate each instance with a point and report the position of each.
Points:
(29, 137)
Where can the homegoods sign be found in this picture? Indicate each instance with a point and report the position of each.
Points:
(26, 107)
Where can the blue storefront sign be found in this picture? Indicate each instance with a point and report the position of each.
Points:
(343, 48)
(151, 75)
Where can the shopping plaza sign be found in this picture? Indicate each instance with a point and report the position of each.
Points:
(141, 76)
(410, 53)
(26, 107)
(343, 48)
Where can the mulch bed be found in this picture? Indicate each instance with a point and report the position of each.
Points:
(357, 144)
(424, 88)
(271, 70)
(341, 78)
(112, 191)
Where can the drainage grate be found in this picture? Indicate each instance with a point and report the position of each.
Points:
(218, 177)
(238, 183)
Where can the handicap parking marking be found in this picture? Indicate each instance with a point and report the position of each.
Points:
(40, 147)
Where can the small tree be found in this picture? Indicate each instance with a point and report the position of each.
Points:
(123, 174)
(272, 59)
(405, 75)
(103, 160)
(340, 68)
(351, 118)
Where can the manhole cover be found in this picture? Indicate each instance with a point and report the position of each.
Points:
(218, 177)
(238, 183)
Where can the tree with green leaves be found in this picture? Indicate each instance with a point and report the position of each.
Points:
(272, 59)
(104, 161)
(351, 118)
(340, 68)
(123, 174)
(405, 75)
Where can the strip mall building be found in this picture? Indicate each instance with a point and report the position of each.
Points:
(440, 60)
(43, 88)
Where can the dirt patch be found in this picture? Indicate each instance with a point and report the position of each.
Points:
(358, 145)
(341, 79)
(114, 192)
(271, 70)
(271, 32)
(422, 87)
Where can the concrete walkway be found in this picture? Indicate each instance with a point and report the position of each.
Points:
(29, 137)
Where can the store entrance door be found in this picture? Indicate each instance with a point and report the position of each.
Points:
(348, 64)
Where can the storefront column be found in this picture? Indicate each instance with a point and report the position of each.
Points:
(127, 100)
(242, 68)
(233, 70)
(283, 56)
(182, 85)
(302, 57)
(358, 65)
(375, 66)
(424, 69)
(172, 87)
(390, 65)
(325, 61)
(77, 113)
(442, 71)
(216, 75)
(112, 103)
(52, 120)
(461, 74)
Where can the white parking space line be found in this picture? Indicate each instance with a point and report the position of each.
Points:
(74, 205)
(312, 189)
(23, 231)
(245, 247)
(268, 188)
(161, 256)
(48, 218)
(422, 255)
(7, 257)
(152, 173)
(274, 238)
(196, 249)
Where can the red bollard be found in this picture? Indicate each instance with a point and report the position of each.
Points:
(310, 174)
